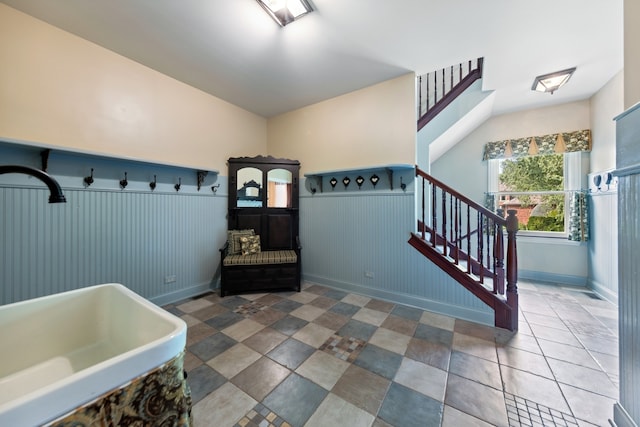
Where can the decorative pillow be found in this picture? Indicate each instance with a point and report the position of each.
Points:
(250, 244)
(233, 237)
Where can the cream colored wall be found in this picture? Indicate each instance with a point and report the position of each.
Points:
(631, 53)
(606, 104)
(372, 126)
(61, 90)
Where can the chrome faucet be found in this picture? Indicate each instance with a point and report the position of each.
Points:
(55, 191)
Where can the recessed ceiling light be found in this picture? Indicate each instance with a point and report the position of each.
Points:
(285, 11)
(551, 82)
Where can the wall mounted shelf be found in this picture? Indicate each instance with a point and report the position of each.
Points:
(367, 172)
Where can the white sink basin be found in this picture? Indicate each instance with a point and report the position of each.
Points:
(61, 351)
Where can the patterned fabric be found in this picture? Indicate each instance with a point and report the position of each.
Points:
(566, 142)
(577, 141)
(495, 150)
(266, 257)
(233, 237)
(160, 397)
(520, 147)
(546, 144)
(250, 244)
(579, 217)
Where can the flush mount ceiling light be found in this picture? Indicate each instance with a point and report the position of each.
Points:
(551, 82)
(285, 11)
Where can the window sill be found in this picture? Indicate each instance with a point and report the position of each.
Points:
(548, 240)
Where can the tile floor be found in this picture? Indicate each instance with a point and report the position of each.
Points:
(324, 357)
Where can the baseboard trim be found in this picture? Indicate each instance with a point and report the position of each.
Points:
(407, 299)
(603, 292)
(181, 294)
(553, 278)
(621, 417)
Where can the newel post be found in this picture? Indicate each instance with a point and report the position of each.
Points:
(512, 268)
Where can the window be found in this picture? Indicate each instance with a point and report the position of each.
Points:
(536, 187)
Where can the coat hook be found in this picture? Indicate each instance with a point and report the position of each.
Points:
(152, 184)
(124, 182)
(89, 179)
(178, 185)
(402, 184)
(214, 188)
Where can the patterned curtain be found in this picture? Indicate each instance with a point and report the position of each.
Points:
(578, 217)
(566, 142)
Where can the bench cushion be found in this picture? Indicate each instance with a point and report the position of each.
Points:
(266, 257)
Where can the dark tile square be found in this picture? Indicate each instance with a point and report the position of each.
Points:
(286, 306)
(407, 408)
(330, 320)
(323, 302)
(430, 353)
(362, 388)
(407, 312)
(173, 310)
(379, 361)
(202, 381)
(433, 334)
(316, 289)
(295, 399)
(224, 320)
(212, 346)
(357, 329)
(289, 325)
(233, 301)
(291, 353)
(345, 309)
(335, 294)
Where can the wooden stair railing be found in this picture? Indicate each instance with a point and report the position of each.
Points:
(439, 88)
(466, 240)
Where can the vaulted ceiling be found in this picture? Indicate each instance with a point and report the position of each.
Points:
(234, 51)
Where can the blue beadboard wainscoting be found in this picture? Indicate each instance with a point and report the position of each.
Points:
(356, 240)
(162, 244)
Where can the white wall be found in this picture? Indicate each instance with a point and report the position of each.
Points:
(61, 90)
(463, 169)
(603, 244)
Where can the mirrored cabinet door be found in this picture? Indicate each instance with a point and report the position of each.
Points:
(279, 188)
(250, 188)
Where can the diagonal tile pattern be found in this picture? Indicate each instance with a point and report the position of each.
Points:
(324, 357)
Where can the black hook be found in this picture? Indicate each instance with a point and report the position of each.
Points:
(89, 179)
(152, 184)
(124, 182)
(402, 184)
(214, 188)
(178, 185)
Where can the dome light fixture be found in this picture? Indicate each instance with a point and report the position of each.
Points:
(553, 81)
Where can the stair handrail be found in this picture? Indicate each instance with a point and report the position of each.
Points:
(506, 312)
(456, 87)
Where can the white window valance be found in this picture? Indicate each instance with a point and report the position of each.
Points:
(565, 142)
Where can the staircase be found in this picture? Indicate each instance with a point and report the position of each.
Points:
(436, 90)
(466, 241)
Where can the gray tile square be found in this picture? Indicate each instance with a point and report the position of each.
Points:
(212, 346)
(379, 361)
(295, 399)
(433, 334)
(287, 305)
(202, 381)
(345, 309)
(289, 325)
(291, 353)
(224, 320)
(335, 294)
(407, 408)
(357, 329)
(407, 312)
